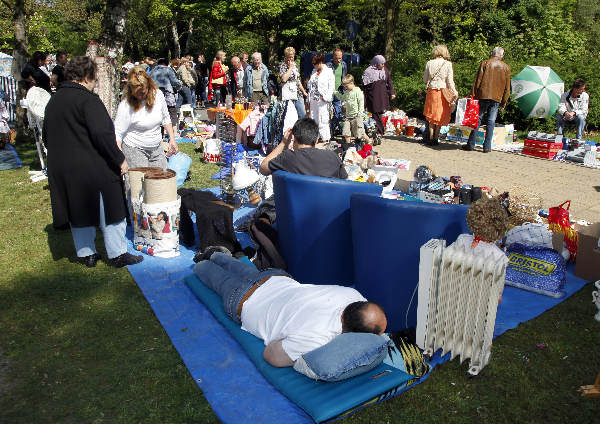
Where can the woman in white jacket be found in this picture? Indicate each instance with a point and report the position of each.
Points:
(320, 94)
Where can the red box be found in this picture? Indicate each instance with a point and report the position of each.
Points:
(539, 153)
(542, 144)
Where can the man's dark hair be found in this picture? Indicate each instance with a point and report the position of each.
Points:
(36, 57)
(163, 61)
(353, 320)
(318, 58)
(80, 68)
(306, 131)
(60, 53)
(578, 83)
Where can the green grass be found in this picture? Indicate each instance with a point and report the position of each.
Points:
(82, 345)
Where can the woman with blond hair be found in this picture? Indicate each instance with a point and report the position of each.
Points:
(439, 76)
(291, 86)
(217, 83)
(139, 117)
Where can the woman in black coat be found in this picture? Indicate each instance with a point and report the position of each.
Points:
(379, 90)
(85, 167)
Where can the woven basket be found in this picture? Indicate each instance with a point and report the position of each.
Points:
(136, 176)
(160, 186)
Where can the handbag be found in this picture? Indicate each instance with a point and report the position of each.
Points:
(471, 118)
(449, 95)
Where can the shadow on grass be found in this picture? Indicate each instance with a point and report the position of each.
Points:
(60, 242)
(83, 345)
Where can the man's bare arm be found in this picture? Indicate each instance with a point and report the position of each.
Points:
(276, 356)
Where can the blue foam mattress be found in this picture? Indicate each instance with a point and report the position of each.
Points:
(322, 401)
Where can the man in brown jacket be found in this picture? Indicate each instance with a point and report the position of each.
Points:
(492, 89)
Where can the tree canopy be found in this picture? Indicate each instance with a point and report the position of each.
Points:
(559, 33)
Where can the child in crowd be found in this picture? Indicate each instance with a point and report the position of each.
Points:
(354, 103)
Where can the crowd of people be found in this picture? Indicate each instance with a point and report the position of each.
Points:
(320, 95)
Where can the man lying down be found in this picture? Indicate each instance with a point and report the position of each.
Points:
(290, 317)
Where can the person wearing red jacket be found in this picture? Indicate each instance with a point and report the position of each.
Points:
(217, 83)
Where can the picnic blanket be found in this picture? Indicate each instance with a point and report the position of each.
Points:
(9, 159)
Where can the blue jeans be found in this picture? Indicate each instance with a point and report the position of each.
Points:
(578, 121)
(337, 119)
(185, 97)
(231, 279)
(491, 107)
(193, 95)
(114, 237)
(300, 108)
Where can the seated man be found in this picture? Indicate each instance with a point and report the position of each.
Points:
(291, 318)
(305, 158)
(573, 108)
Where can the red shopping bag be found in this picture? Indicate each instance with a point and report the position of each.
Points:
(471, 118)
(559, 222)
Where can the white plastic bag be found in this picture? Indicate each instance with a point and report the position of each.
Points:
(461, 107)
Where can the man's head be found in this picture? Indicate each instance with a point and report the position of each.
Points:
(578, 87)
(337, 56)
(61, 58)
(305, 132)
(244, 57)
(497, 52)
(236, 63)
(364, 317)
(256, 59)
(163, 61)
(348, 82)
(149, 61)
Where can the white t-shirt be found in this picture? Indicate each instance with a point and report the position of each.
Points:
(141, 128)
(305, 316)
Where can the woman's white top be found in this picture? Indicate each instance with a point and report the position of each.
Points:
(439, 74)
(141, 128)
(325, 82)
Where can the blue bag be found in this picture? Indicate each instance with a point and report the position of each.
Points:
(537, 269)
(180, 163)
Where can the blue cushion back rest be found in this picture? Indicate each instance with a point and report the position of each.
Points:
(313, 222)
(387, 236)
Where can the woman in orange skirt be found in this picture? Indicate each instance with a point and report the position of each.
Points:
(438, 75)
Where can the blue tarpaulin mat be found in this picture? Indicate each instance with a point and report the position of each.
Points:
(9, 159)
(230, 381)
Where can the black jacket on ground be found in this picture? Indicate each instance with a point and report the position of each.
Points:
(83, 158)
(214, 221)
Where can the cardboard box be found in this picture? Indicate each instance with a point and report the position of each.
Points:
(587, 264)
(503, 134)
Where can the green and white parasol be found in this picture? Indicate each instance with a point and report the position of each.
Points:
(537, 90)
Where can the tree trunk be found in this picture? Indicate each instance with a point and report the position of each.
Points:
(19, 59)
(391, 15)
(190, 32)
(273, 43)
(175, 35)
(111, 47)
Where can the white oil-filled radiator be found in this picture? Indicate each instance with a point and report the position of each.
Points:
(458, 300)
